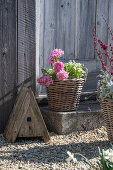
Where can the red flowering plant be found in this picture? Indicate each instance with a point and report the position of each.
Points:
(60, 71)
(105, 85)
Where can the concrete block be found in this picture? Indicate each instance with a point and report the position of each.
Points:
(80, 120)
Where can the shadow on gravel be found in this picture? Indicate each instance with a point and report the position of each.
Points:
(52, 153)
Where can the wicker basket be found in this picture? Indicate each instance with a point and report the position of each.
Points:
(65, 95)
(107, 109)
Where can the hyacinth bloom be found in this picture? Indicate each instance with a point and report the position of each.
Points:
(51, 59)
(45, 80)
(58, 66)
(58, 53)
(62, 75)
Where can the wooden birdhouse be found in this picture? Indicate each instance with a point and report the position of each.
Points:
(26, 119)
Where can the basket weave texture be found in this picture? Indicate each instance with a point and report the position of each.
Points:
(107, 108)
(64, 95)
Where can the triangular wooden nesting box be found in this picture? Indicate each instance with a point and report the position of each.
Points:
(26, 119)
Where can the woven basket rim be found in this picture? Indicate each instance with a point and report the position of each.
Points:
(69, 80)
(106, 99)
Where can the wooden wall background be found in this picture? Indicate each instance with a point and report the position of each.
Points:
(17, 51)
(68, 24)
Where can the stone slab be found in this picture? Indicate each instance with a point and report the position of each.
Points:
(80, 120)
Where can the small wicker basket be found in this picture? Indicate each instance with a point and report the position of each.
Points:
(107, 109)
(64, 95)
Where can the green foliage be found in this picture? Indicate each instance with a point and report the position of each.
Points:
(102, 163)
(106, 159)
(56, 59)
(106, 86)
(51, 73)
(75, 70)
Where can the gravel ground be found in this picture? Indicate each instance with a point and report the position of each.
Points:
(35, 154)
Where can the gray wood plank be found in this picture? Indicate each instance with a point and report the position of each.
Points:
(1, 66)
(41, 40)
(37, 44)
(1, 49)
(101, 29)
(21, 39)
(49, 29)
(30, 43)
(47, 33)
(85, 21)
(26, 42)
(65, 35)
(110, 21)
(7, 59)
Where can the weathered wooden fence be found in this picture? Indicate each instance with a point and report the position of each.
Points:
(17, 51)
(68, 24)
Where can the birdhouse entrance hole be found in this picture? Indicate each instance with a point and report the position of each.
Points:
(28, 119)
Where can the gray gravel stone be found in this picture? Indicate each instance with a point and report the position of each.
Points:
(35, 154)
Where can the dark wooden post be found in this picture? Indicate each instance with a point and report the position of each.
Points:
(8, 57)
(17, 51)
(26, 42)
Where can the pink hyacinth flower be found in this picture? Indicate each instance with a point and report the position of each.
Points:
(58, 66)
(45, 80)
(62, 75)
(58, 53)
(51, 59)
